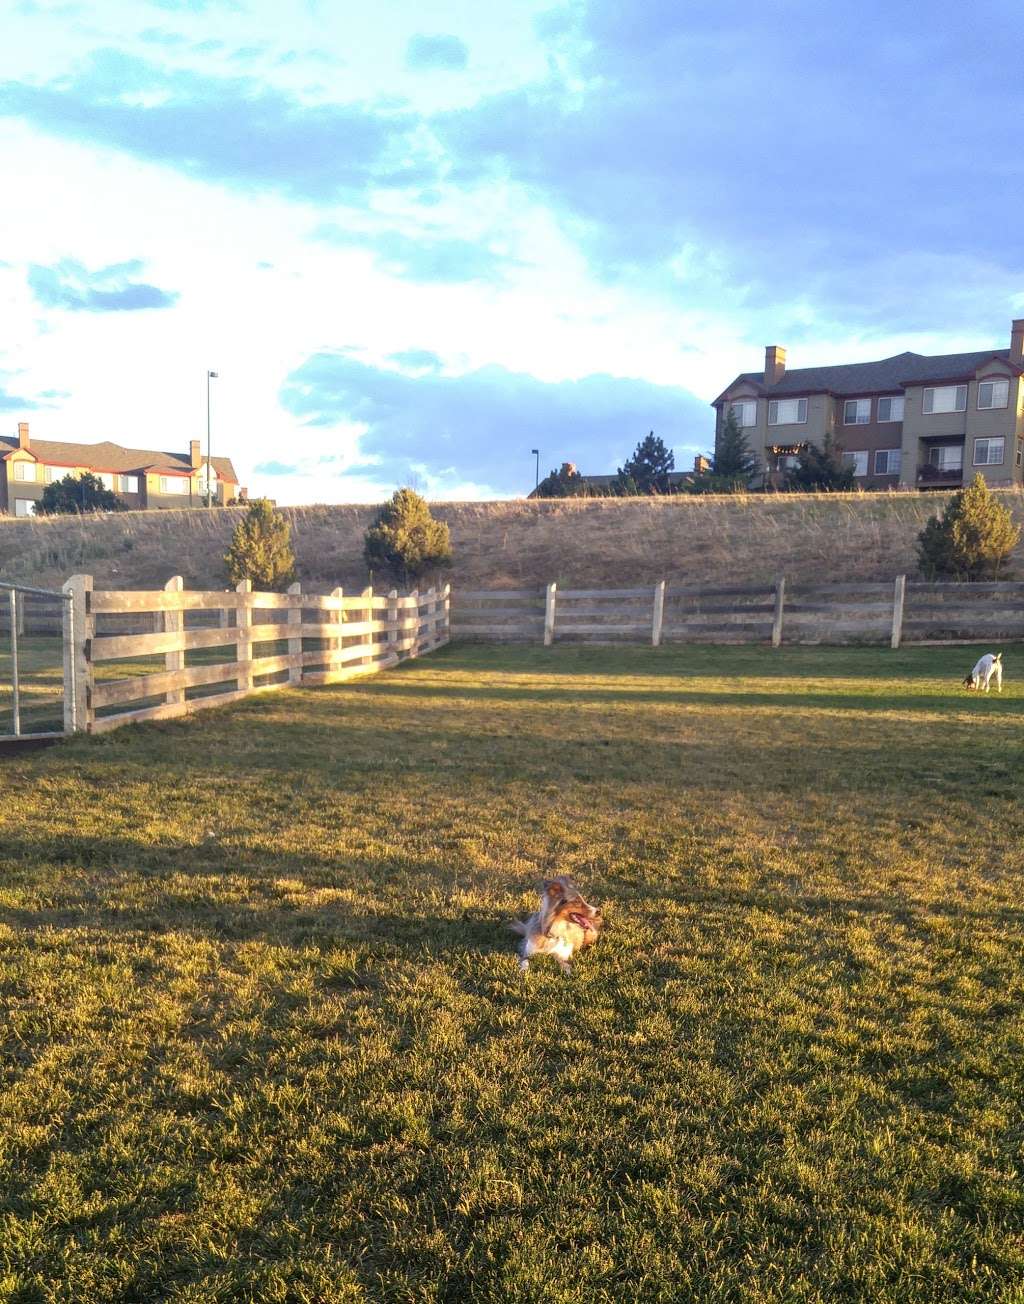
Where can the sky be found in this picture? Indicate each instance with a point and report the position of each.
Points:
(417, 241)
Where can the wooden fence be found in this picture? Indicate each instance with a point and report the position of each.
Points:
(168, 652)
(892, 612)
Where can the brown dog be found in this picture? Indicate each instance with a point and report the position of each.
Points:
(563, 924)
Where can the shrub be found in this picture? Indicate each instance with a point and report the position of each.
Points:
(971, 539)
(821, 470)
(733, 461)
(405, 540)
(566, 483)
(261, 549)
(76, 494)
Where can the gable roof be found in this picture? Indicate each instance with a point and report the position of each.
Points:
(107, 456)
(873, 377)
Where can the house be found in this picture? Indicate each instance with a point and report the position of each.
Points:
(140, 477)
(601, 485)
(905, 422)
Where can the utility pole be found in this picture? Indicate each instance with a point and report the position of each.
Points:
(210, 375)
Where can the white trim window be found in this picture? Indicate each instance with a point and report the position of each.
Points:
(24, 507)
(744, 410)
(947, 398)
(128, 484)
(24, 471)
(993, 393)
(106, 479)
(946, 457)
(857, 412)
(890, 409)
(787, 411)
(175, 484)
(858, 462)
(888, 461)
(989, 451)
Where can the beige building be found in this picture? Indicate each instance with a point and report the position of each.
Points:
(905, 422)
(140, 477)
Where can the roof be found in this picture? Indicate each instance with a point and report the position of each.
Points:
(874, 377)
(107, 456)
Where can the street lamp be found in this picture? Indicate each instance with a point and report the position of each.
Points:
(210, 375)
(536, 453)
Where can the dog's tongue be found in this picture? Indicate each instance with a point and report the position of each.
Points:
(582, 921)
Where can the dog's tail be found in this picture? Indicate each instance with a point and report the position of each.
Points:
(517, 926)
(999, 656)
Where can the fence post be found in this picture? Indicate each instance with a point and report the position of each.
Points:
(780, 598)
(414, 600)
(392, 634)
(659, 613)
(79, 627)
(447, 609)
(899, 592)
(431, 613)
(549, 615)
(174, 623)
(334, 645)
(367, 615)
(295, 638)
(243, 636)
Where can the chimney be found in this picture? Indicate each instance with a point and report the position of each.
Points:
(569, 468)
(1017, 342)
(701, 464)
(774, 364)
(193, 454)
(23, 440)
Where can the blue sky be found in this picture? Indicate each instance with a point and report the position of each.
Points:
(418, 241)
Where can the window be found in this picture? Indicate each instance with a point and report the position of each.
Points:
(51, 473)
(105, 478)
(745, 413)
(24, 507)
(24, 470)
(993, 393)
(946, 457)
(787, 411)
(890, 409)
(888, 461)
(174, 484)
(128, 484)
(988, 452)
(951, 398)
(856, 412)
(859, 462)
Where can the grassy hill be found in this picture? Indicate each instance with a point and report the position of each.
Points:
(499, 544)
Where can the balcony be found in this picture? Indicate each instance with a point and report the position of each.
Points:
(939, 477)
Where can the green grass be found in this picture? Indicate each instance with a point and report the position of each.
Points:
(264, 1036)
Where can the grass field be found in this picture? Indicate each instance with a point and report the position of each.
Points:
(264, 1037)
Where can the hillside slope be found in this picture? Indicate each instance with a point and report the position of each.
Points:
(522, 544)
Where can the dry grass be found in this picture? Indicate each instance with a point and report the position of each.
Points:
(596, 542)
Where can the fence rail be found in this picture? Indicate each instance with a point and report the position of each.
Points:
(153, 655)
(893, 612)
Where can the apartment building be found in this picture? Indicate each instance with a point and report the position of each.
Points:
(911, 421)
(140, 477)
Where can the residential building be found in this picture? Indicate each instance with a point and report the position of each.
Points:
(599, 485)
(909, 422)
(141, 478)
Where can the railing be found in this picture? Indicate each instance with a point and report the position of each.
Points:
(153, 655)
(37, 688)
(939, 474)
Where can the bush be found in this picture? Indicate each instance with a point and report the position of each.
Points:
(971, 539)
(405, 540)
(261, 549)
(76, 494)
(647, 471)
(821, 470)
(733, 465)
(566, 483)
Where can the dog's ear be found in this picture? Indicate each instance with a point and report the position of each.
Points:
(554, 887)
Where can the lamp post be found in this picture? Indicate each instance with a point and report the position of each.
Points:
(210, 375)
(536, 453)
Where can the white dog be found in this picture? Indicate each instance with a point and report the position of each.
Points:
(988, 668)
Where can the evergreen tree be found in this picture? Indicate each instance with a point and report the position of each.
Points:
(971, 539)
(821, 470)
(733, 459)
(405, 539)
(261, 548)
(565, 483)
(75, 494)
(648, 468)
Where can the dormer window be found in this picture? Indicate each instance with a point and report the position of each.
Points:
(993, 393)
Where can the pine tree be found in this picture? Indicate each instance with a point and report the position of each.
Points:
(405, 539)
(971, 539)
(261, 548)
(648, 468)
(564, 483)
(821, 470)
(75, 494)
(733, 459)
